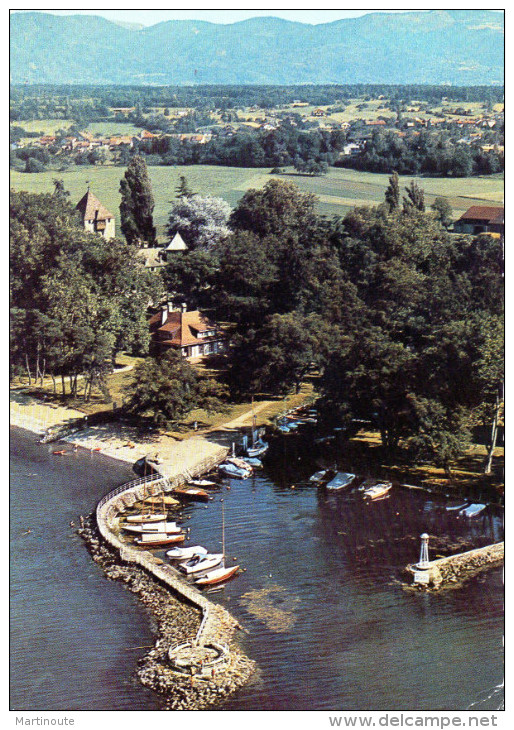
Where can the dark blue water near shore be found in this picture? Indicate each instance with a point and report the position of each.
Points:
(325, 616)
(71, 629)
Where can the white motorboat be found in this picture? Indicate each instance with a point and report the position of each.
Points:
(177, 553)
(169, 528)
(142, 517)
(202, 483)
(340, 481)
(378, 490)
(473, 510)
(200, 563)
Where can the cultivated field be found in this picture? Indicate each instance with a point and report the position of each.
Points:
(338, 191)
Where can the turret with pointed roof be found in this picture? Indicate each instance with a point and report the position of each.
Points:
(95, 216)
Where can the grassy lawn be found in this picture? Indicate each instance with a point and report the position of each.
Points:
(45, 126)
(338, 191)
(113, 129)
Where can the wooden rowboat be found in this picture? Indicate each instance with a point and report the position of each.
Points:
(159, 539)
(192, 493)
(218, 575)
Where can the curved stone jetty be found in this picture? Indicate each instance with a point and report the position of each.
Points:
(456, 568)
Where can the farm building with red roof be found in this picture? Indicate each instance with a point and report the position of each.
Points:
(481, 219)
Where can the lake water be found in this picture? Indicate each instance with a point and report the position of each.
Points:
(325, 615)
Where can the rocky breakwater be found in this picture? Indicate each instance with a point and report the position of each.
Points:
(453, 570)
(178, 610)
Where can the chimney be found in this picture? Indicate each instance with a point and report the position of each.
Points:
(183, 307)
(164, 314)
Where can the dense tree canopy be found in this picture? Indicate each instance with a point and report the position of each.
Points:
(168, 388)
(76, 300)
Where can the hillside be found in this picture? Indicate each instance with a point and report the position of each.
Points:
(455, 47)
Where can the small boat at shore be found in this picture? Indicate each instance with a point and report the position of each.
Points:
(234, 472)
(177, 553)
(60, 453)
(258, 446)
(195, 493)
(142, 517)
(159, 539)
(341, 480)
(221, 574)
(473, 510)
(169, 528)
(218, 575)
(253, 462)
(323, 476)
(203, 483)
(381, 489)
(200, 563)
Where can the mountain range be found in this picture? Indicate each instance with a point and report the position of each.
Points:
(437, 47)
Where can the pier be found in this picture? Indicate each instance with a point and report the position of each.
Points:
(454, 569)
(217, 624)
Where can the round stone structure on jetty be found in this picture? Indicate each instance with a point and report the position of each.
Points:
(201, 660)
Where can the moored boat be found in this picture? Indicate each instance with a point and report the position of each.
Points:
(258, 446)
(234, 472)
(377, 490)
(200, 563)
(473, 510)
(322, 477)
(170, 528)
(159, 539)
(253, 462)
(218, 575)
(340, 481)
(195, 493)
(142, 517)
(201, 483)
(177, 553)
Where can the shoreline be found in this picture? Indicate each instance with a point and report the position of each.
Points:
(174, 617)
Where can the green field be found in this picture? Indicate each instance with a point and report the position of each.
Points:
(338, 191)
(113, 129)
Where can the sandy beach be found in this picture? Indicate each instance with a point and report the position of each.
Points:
(116, 440)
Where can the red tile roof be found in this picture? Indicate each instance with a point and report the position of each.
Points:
(182, 327)
(484, 212)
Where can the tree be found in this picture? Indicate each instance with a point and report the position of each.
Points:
(415, 199)
(59, 189)
(276, 357)
(168, 388)
(137, 204)
(75, 301)
(277, 208)
(443, 211)
(183, 190)
(202, 220)
(392, 193)
(441, 435)
(245, 280)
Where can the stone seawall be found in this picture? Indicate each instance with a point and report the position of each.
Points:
(217, 626)
(454, 569)
(124, 497)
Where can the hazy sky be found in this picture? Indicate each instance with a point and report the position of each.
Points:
(150, 17)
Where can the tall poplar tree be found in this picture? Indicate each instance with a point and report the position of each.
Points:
(137, 205)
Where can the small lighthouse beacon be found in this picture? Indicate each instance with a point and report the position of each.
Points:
(421, 569)
(423, 555)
